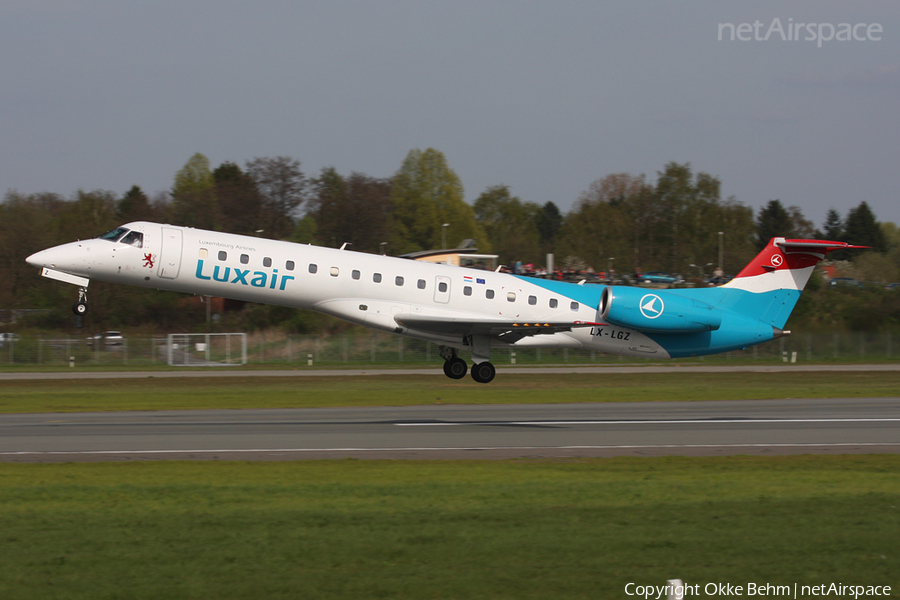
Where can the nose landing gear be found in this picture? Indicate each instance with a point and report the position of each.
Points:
(80, 307)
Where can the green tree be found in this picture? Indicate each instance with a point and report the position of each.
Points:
(239, 201)
(600, 223)
(510, 225)
(27, 224)
(134, 206)
(833, 228)
(282, 187)
(773, 221)
(194, 200)
(863, 229)
(666, 226)
(425, 194)
(355, 209)
(802, 227)
(548, 221)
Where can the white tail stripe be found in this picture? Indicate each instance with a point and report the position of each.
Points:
(782, 279)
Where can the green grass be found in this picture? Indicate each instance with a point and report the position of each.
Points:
(390, 390)
(452, 529)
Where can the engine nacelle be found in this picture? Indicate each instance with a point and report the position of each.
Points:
(657, 311)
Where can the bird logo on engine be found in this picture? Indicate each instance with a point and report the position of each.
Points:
(651, 306)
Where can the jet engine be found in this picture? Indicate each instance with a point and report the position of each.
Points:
(657, 311)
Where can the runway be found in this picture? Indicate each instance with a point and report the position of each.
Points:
(606, 369)
(759, 427)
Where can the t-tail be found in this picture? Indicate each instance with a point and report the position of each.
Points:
(774, 279)
(750, 309)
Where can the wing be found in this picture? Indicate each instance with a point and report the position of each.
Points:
(507, 331)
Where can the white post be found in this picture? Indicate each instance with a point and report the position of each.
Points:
(673, 586)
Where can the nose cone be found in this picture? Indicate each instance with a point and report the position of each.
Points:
(64, 258)
(37, 259)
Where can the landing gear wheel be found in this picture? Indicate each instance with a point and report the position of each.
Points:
(79, 308)
(483, 372)
(455, 368)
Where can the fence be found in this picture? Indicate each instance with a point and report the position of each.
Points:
(385, 349)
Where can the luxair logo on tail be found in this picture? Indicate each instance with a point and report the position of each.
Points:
(257, 279)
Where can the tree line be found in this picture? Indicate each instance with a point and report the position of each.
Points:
(621, 220)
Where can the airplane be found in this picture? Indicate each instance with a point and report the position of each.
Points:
(458, 309)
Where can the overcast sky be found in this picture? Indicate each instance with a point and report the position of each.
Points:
(544, 97)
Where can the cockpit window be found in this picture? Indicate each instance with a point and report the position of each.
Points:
(114, 235)
(134, 238)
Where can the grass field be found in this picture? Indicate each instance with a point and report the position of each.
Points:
(453, 529)
(383, 390)
(517, 529)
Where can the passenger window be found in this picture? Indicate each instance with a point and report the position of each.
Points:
(574, 306)
(354, 274)
(489, 294)
(313, 268)
(376, 277)
(420, 284)
(267, 262)
(510, 296)
(289, 265)
(223, 255)
(532, 300)
(553, 303)
(134, 238)
(467, 291)
(335, 271)
(204, 252)
(398, 280)
(442, 287)
(244, 259)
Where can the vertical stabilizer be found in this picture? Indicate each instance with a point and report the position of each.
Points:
(776, 277)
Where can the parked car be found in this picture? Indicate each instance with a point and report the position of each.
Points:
(106, 339)
(659, 277)
(8, 337)
(718, 280)
(892, 286)
(844, 281)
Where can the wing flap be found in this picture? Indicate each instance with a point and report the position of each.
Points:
(508, 331)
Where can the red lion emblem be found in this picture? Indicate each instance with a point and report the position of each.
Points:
(148, 260)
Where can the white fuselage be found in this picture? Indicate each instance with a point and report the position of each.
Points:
(367, 289)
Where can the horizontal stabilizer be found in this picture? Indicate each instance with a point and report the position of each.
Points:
(794, 257)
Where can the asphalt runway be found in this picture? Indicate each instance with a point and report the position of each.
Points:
(502, 370)
(758, 427)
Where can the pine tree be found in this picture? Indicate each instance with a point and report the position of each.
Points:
(863, 229)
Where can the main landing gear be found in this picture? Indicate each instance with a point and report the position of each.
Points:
(80, 306)
(483, 372)
(455, 367)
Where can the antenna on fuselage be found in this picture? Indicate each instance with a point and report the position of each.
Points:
(345, 244)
